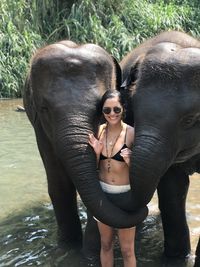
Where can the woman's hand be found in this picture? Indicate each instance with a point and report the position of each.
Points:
(95, 144)
(126, 154)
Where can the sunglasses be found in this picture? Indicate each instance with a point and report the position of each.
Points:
(107, 110)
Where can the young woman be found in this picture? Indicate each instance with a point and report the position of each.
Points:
(112, 148)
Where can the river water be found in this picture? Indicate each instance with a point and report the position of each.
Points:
(27, 223)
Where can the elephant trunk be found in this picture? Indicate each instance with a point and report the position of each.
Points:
(80, 162)
(150, 160)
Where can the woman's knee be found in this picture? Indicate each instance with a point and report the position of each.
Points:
(106, 245)
(127, 251)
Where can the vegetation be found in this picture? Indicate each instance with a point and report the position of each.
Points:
(116, 25)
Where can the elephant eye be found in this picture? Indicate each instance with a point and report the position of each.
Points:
(190, 120)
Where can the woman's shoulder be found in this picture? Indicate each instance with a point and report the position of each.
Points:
(129, 128)
(102, 126)
(101, 129)
(130, 133)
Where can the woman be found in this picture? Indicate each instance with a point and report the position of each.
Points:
(112, 148)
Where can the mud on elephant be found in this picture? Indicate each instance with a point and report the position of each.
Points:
(162, 79)
(62, 92)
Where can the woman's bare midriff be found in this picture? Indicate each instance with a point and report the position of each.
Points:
(119, 174)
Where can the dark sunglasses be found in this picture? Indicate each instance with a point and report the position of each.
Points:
(107, 110)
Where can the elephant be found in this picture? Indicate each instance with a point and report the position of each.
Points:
(61, 97)
(161, 80)
(197, 261)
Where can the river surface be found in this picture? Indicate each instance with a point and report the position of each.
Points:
(27, 223)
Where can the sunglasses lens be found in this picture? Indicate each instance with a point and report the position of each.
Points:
(117, 110)
(106, 110)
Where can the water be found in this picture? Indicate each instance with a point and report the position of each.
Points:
(27, 223)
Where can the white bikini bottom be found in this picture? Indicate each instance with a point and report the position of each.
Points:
(114, 189)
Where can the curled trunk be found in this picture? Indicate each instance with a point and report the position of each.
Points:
(150, 160)
(80, 161)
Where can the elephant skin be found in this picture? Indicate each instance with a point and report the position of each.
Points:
(197, 260)
(61, 96)
(161, 79)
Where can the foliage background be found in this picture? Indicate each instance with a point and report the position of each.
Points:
(116, 25)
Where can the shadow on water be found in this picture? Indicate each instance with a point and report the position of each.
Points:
(29, 239)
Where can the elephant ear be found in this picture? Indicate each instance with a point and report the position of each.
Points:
(28, 100)
(132, 75)
(128, 87)
(118, 72)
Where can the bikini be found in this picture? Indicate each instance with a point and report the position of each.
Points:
(116, 193)
(114, 189)
(117, 156)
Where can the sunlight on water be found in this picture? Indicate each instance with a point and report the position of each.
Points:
(27, 222)
(23, 180)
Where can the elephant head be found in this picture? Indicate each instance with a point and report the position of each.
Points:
(162, 77)
(62, 92)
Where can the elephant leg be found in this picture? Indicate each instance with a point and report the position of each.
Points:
(62, 194)
(91, 241)
(64, 199)
(172, 193)
(197, 260)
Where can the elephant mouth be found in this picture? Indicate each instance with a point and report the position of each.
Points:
(187, 153)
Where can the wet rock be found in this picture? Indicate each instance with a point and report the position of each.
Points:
(20, 108)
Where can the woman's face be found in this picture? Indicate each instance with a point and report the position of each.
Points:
(112, 110)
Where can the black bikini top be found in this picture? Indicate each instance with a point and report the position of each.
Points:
(117, 156)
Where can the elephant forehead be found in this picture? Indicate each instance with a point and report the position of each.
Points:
(165, 48)
(70, 65)
(182, 64)
(72, 62)
(167, 52)
(190, 54)
(73, 54)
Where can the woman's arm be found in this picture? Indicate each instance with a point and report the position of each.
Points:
(97, 145)
(126, 152)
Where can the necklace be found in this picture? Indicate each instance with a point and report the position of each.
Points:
(110, 143)
(110, 157)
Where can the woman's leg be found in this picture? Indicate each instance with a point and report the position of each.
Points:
(106, 254)
(127, 241)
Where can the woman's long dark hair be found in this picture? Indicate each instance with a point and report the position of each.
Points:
(111, 94)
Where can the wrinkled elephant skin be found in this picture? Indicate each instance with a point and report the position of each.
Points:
(162, 79)
(61, 97)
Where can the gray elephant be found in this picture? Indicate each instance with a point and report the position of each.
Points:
(197, 261)
(162, 79)
(61, 96)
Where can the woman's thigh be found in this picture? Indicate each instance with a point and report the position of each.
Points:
(106, 233)
(127, 238)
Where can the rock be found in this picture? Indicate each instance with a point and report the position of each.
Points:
(20, 108)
